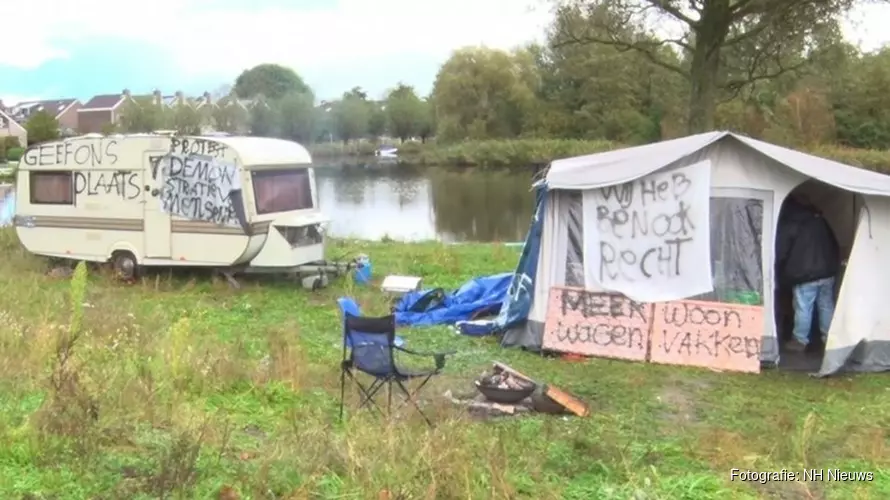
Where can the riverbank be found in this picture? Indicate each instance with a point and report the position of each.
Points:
(181, 386)
(530, 152)
(525, 152)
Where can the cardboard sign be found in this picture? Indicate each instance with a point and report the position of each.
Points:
(707, 334)
(597, 324)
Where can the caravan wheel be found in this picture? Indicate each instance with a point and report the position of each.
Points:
(125, 265)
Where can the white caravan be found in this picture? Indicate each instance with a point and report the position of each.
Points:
(237, 203)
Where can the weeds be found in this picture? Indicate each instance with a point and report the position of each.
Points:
(178, 387)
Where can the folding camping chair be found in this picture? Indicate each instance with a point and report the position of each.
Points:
(371, 347)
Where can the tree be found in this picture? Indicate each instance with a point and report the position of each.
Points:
(766, 29)
(264, 120)
(376, 119)
(351, 116)
(405, 112)
(186, 119)
(428, 121)
(297, 114)
(804, 118)
(272, 81)
(143, 114)
(598, 91)
(483, 93)
(42, 127)
(860, 101)
(229, 116)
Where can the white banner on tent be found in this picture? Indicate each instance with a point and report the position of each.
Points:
(650, 238)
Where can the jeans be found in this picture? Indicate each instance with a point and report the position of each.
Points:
(819, 293)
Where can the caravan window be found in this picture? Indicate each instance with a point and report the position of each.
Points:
(52, 188)
(282, 190)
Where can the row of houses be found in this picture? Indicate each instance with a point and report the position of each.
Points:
(96, 114)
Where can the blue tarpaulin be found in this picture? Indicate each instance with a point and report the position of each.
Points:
(479, 296)
(518, 299)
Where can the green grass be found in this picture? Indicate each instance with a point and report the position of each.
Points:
(180, 387)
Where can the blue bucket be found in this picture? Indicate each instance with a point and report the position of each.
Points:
(362, 273)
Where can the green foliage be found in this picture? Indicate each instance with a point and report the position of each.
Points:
(376, 120)
(482, 93)
(109, 129)
(297, 116)
(14, 154)
(143, 115)
(405, 112)
(352, 115)
(42, 127)
(229, 116)
(10, 142)
(7, 143)
(340, 149)
(495, 153)
(264, 119)
(271, 81)
(186, 119)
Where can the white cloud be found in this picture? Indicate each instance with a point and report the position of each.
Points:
(206, 40)
(209, 38)
(866, 26)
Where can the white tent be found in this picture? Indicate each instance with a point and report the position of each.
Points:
(749, 180)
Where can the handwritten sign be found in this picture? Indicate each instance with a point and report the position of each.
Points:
(707, 334)
(198, 187)
(650, 238)
(609, 325)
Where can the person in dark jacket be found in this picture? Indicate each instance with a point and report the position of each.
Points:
(807, 261)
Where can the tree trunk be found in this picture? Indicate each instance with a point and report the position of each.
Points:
(710, 34)
(703, 93)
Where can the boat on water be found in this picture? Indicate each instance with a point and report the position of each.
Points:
(387, 152)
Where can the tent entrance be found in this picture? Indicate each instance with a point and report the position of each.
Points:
(841, 210)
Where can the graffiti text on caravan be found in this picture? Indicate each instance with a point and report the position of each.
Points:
(85, 153)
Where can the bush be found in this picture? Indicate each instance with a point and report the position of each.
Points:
(500, 153)
(335, 149)
(7, 143)
(524, 152)
(871, 159)
(14, 154)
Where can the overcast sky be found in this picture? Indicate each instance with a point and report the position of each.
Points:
(79, 49)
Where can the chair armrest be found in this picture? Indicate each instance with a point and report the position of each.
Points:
(438, 356)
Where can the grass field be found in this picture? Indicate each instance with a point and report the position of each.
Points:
(180, 387)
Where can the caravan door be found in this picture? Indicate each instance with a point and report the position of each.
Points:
(157, 227)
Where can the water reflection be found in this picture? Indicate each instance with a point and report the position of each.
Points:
(410, 203)
(405, 203)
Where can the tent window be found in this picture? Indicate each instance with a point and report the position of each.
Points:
(575, 243)
(736, 242)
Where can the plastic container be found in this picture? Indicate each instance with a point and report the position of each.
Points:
(362, 272)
